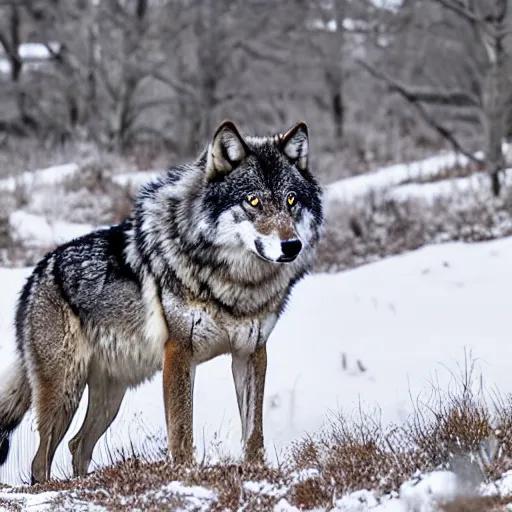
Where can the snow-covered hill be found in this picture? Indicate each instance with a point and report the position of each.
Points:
(377, 335)
(374, 337)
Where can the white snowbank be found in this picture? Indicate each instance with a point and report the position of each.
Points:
(196, 497)
(36, 231)
(41, 501)
(477, 185)
(420, 494)
(48, 176)
(37, 51)
(439, 487)
(134, 180)
(31, 53)
(391, 176)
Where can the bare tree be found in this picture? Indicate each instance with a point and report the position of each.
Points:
(469, 73)
(163, 73)
(330, 43)
(10, 39)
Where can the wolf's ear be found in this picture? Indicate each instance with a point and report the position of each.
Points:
(295, 145)
(226, 150)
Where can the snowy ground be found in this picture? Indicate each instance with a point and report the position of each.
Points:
(392, 176)
(377, 335)
(400, 319)
(49, 176)
(422, 493)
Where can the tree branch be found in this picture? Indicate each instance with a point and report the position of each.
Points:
(5, 44)
(461, 10)
(454, 98)
(422, 111)
(137, 108)
(179, 86)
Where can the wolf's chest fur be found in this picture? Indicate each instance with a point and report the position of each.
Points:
(135, 355)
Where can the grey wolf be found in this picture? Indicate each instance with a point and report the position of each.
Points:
(203, 266)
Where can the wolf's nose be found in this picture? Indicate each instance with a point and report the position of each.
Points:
(291, 248)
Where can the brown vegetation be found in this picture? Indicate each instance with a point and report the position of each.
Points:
(458, 430)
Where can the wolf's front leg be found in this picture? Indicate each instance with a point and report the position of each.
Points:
(249, 372)
(178, 381)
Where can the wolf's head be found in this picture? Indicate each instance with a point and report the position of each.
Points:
(260, 193)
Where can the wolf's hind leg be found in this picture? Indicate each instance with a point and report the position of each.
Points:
(57, 355)
(56, 404)
(105, 397)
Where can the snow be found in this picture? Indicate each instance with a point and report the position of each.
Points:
(391, 176)
(41, 501)
(48, 176)
(349, 24)
(420, 494)
(474, 184)
(284, 506)
(37, 51)
(501, 487)
(5, 66)
(194, 490)
(134, 180)
(265, 488)
(438, 487)
(404, 318)
(31, 54)
(58, 173)
(477, 185)
(195, 496)
(357, 501)
(387, 4)
(376, 336)
(36, 231)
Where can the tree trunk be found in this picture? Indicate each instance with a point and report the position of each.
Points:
(334, 73)
(17, 64)
(209, 70)
(335, 85)
(494, 111)
(495, 99)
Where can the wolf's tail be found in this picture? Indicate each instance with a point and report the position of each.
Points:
(15, 398)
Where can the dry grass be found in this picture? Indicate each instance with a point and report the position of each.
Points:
(9, 505)
(92, 196)
(136, 484)
(476, 504)
(10, 251)
(458, 429)
(352, 452)
(377, 225)
(89, 197)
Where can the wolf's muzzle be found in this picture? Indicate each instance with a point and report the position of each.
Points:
(290, 250)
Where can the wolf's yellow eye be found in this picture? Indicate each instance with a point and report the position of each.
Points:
(253, 200)
(292, 199)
